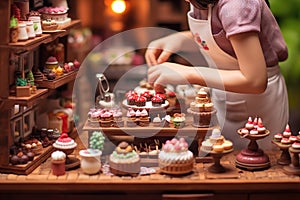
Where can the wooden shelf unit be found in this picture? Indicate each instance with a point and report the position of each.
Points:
(8, 100)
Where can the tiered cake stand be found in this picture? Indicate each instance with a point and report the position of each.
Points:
(253, 158)
(217, 167)
(294, 167)
(285, 158)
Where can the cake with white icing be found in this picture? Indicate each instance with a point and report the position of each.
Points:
(175, 158)
(64, 142)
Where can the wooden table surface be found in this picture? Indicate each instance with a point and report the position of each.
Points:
(41, 179)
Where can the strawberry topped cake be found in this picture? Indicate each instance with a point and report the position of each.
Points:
(64, 142)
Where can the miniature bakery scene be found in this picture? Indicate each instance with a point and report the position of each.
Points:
(151, 99)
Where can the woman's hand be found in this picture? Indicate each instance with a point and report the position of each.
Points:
(159, 51)
(169, 73)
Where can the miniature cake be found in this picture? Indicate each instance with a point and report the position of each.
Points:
(59, 14)
(157, 101)
(156, 121)
(202, 109)
(216, 143)
(144, 119)
(49, 24)
(175, 158)
(58, 159)
(64, 142)
(124, 160)
(178, 120)
(51, 63)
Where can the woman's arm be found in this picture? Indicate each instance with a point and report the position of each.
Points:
(250, 78)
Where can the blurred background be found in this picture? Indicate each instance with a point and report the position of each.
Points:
(102, 19)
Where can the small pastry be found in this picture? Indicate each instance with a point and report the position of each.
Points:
(227, 145)
(287, 132)
(285, 141)
(296, 145)
(218, 148)
(260, 127)
(206, 145)
(253, 132)
(293, 138)
(249, 125)
(278, 137)
(245, 131)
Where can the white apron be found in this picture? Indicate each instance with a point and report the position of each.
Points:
(233, 109)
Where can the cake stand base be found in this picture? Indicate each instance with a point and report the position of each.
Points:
(252, 160)
(291, 169)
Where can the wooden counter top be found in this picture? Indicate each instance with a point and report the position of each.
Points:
(41, 179)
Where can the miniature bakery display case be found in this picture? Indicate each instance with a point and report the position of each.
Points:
(25, 88)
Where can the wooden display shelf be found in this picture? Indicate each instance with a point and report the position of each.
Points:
(30, 166)
(31, 44)
(58, 81)
(150, 130)
(29, 101)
